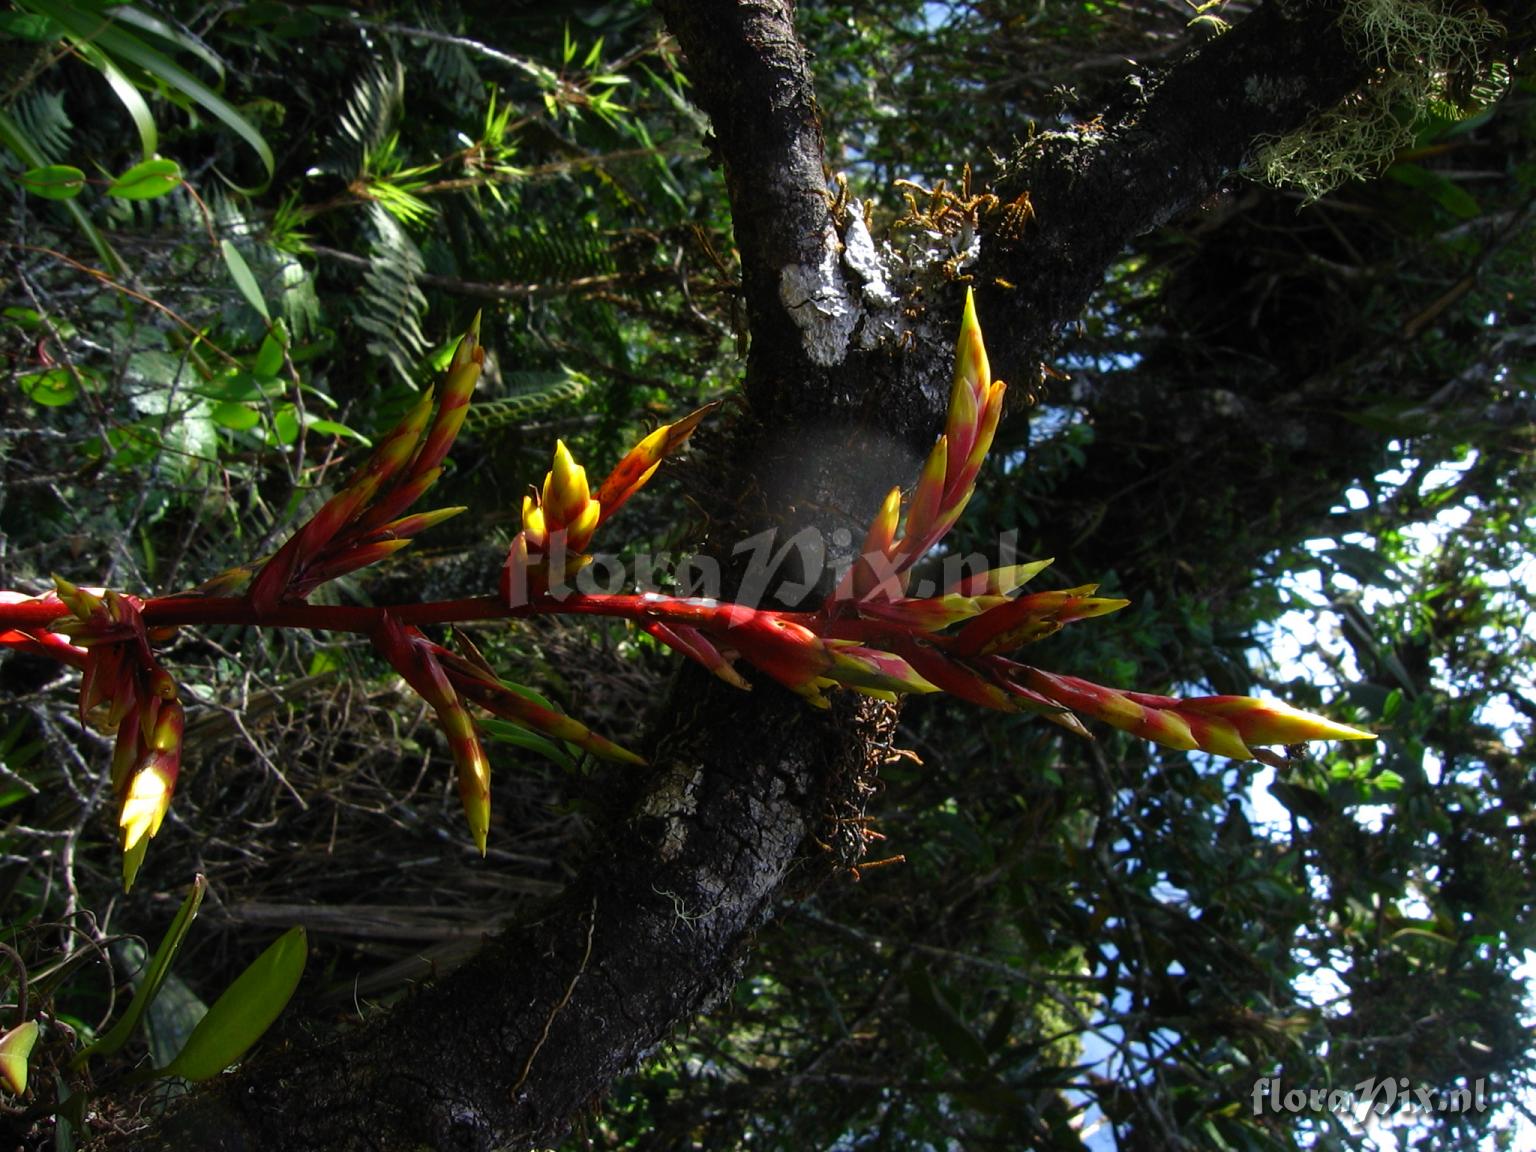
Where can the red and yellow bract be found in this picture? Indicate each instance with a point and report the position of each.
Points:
(869, 636)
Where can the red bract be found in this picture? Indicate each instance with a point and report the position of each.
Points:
(560, 518)
(360, 525)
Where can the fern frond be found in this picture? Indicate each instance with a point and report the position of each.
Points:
(560, 389)
(273, 253)
(537, 253)
(447, 63)
(391, 303)
(366, 118)
(42, 117)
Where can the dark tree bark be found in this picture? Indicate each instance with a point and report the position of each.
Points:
(845, 387)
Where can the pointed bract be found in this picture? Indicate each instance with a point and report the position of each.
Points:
(927, 497)
(15, 1053)
(872, 568)
(870, 669)
(636, 468)
(1222, 725)
(1269, 721)
(1027, 619)
(565, 494)
(697, 647)
(931, 614)
(458, 387)
(149, 789)
(998, 581)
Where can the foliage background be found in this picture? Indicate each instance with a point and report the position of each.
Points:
(1272, 406)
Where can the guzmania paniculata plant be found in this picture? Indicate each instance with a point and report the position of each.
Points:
(869, 636)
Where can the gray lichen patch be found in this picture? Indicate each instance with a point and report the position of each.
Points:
(672, 802)
(817, 299)
(1266, 91)
(866, 261)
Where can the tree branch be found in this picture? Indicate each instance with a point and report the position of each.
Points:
(750, 74)
(1181, 135)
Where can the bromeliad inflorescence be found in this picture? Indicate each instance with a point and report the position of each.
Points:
(869, 636)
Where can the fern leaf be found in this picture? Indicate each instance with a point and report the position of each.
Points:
(558, 390)
(366, 118)
(392, 303)
(43, 118)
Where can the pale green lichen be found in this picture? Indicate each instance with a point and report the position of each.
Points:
(1420, 49)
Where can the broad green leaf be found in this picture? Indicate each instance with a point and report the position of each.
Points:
(54, 181)
(247, 1009)
(238, 417)
(172, 1019)
(159, 967)
(146, 180)
(15, 1051)
(52, 388)
(24, 27)
(269, 358)
(245, 280)
(325, 661)
(285, 426)
(238, 386)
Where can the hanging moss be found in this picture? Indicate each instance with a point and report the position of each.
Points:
(1425, 53)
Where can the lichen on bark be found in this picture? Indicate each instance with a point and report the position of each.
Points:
(1423, 53)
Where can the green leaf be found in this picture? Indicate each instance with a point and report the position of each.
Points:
(54, 181)
(247, 1009)
(335, 428)
(52, 388)
(89, 28)
(326, 661)
(269, 358)
(141, 19)
(147, 180)
(159, 968)
(506, 732)
(21, 145)
(238, 386)
(22, 27)
(245, 280)
(28, 318)
(1440, 188)
(128, 95)
(238, 417)
(285, 426)
(931, 1012)
(69, 1117)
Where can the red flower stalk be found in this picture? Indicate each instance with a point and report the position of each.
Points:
(416, 659)
(360, 524)
(870, 637)
(947, 480)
